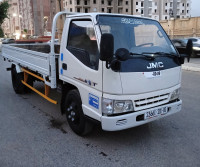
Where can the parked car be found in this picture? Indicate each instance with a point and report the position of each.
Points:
(1, 39)
(180, 45)
(8, 41)
(195, 40)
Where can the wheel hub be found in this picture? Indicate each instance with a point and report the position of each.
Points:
(72, 113)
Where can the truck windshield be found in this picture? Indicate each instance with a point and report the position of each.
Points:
(138, 35)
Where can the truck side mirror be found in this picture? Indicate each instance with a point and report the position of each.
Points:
(189, 47)
(106, 47)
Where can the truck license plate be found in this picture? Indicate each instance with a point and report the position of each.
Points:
(152, 74)
(155, 113)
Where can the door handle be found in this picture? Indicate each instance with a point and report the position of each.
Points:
(64, 66)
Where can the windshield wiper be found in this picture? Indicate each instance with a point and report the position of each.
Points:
(146, 55)
(165, 54)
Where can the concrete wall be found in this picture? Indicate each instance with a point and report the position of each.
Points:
(182, 28)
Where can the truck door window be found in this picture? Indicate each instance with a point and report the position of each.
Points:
(82, 43)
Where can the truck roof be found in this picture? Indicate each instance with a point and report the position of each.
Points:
(110, 14)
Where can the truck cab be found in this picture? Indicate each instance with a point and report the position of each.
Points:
(125, 68)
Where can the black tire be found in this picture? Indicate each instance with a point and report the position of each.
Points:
(74, 113)
(18, 86)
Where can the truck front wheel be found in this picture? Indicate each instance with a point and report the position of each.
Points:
(75, 115)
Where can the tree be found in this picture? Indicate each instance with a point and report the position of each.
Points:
(1, 33)
(25, 30)
(3, 14)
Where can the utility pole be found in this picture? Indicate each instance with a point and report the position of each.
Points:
(59, 8)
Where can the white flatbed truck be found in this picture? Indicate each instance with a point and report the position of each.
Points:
(119, 70)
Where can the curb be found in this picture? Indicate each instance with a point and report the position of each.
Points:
(189, 68)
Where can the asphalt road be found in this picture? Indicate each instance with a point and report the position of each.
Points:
(34, 133)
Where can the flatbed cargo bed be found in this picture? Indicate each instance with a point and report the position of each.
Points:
(35, 57)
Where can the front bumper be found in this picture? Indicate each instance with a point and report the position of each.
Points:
(126, 121)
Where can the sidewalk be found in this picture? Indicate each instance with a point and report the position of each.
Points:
(193, 65)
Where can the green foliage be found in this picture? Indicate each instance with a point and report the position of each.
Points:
(25, 30)
(3, 11)
(1, 33)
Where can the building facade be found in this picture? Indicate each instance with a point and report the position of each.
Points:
(43, 13)
(26, 17)
(156, 9)
(29, 18)
(12, 24)
(35, 17)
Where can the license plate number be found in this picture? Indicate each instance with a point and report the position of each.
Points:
(152, 74)
(155, 113)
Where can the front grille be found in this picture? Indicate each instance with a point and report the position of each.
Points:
(151, 101)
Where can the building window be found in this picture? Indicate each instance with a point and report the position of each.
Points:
(142, 4)
(94, 2)
(136, 10)
(188, 4)
(109, 3)
(70, 9)
(155, 11)
(102, 9)
(165, 10)
(102, 2)
(109, 10)
(126, 2)
(155, 3)
(183, 11)
(70, 2)
(171, 4)
(86, 10)
(85, 3)
(126, 10)
(66, 3)
(78, 2)
(120, 2)
(142, 11)
(136, 3)
(78, 10)
(165, 17)
(119, 10)
(183, 4)
(187, 11)
(165, 4)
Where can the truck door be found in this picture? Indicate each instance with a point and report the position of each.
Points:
(79, 60)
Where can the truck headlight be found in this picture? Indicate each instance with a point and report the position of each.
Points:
(111, 107)
(175, 94)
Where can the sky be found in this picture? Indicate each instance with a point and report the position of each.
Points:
(195, 8)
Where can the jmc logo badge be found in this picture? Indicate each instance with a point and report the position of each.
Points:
(155, 65)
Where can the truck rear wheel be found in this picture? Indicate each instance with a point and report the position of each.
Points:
(75, 115)
(18, 86)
